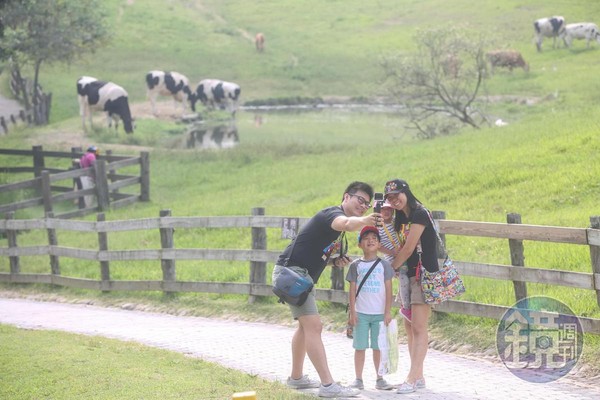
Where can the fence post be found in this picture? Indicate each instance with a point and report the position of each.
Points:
(111, 172)
(11, 234)
(258, 269)
(75, 157)
(517, 257)
(595, 255)
(103, 246)
(437, 215)
(38, 160)
(101, 185)
(144, 176)
(166, 241)
(52, 241)
(46, 191)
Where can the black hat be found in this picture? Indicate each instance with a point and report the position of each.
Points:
(395, 186)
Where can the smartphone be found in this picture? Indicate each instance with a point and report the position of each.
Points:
(378, 199)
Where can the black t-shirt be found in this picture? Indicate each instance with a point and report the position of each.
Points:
(429, 256)
(315, 243)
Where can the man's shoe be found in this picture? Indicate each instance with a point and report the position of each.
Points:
(302, 383)
(357, 384)
(407, 388)
(420, 384)
(382, 384)
(336, 390)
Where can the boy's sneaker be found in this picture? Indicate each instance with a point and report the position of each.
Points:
(420, 384)
(302, 383)
(406, 313)
(382, 384)
(358, 384)
(336, 390)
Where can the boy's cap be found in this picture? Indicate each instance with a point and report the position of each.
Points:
(395, 186)
(386, 204)
(366, 230)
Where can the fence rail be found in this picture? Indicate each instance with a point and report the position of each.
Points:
(46, 191)
(258, 257)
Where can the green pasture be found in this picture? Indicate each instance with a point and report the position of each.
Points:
(544, 165)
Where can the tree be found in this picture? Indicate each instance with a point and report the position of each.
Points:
(440, 83)
(50, 31)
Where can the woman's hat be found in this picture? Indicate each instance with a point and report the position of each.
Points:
(395, 186)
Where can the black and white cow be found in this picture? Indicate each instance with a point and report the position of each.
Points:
(168, 84)
(214, 92)
(548, 27)
(582, 30)
(227, 94)
(95, 95)
(204, 93)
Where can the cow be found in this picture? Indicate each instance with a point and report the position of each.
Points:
(506, 58)
(259, 42)
(581, 30)
(171, 83)
(548, 27)
(204, 93)
(227, 94)
(104, 96)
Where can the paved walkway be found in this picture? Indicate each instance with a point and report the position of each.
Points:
(264, 350)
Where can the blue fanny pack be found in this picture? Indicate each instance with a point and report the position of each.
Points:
(291, 287)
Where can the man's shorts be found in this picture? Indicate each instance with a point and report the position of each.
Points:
(416, 292)
(310, 305)
(366, 326)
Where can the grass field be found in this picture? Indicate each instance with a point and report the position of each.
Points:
(543, 165)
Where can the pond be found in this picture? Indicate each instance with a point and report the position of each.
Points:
(345, 124)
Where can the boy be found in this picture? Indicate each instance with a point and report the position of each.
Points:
(390, 245)
(372, 305)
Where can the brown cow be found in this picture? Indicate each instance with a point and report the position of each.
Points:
(506, 58)
(259, 42)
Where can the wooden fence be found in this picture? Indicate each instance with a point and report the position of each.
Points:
(46, 191)
(258, 257)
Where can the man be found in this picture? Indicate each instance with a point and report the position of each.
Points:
(308, 254)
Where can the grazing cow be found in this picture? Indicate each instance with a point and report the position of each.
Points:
(548, 27)
(506, 58)
(581, 30)
(104, 96)
(259, 42)
(168, 84)
(204, 93)
(227, 94)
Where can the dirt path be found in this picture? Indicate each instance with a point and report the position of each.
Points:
(9, 107)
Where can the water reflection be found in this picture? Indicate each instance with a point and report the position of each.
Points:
(201, 136)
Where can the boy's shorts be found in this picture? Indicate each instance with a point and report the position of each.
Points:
(367, 327)
(310, 305)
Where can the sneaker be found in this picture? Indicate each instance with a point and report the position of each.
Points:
(358, 384)
(382, 384)
(337, 390)
(302, 383)
(420, 383)
(407, 388)
(406, 313)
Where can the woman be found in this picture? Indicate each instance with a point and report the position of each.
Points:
(413, 220)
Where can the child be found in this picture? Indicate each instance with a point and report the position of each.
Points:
(372, 304)
(390, 244)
